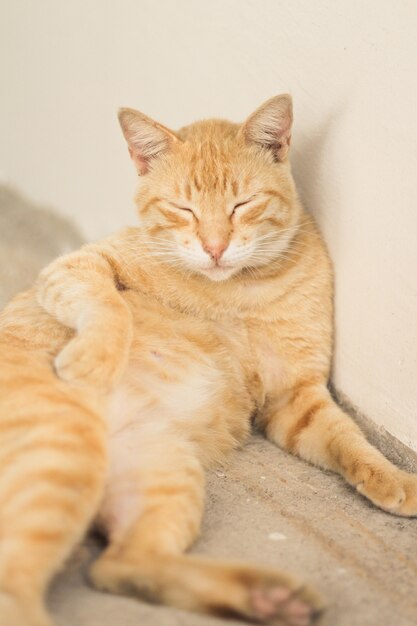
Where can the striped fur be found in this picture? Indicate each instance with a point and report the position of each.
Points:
(137, 362)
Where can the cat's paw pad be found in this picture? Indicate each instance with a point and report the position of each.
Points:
(289, 607)
(272, 597)
(391, 489)
(93, 361)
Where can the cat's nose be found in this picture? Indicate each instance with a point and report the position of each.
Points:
(215, 248)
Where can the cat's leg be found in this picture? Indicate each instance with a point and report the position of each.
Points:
(146, 557)
(307, 422)
(52, 468)
(82, 291)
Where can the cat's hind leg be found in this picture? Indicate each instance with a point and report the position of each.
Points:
(146, 556)
(309, 423)
(52, 470)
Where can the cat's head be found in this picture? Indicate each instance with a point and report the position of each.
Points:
(216, 197)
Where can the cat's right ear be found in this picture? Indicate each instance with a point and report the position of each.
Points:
(145, 138)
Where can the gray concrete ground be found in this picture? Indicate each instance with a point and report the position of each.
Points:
(269, 507)
(30, 237)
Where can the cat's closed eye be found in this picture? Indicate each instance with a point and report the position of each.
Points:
(182, 208)
(241, 204)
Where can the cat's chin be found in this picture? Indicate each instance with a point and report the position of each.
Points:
(218, 274)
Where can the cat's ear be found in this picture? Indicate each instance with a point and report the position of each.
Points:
(270, 126)
(145, 138)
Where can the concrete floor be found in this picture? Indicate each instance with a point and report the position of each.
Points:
(271, 508)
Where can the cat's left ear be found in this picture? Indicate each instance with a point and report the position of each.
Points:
(145, 138)
(270, 126)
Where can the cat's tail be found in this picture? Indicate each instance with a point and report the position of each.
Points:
(52, 468)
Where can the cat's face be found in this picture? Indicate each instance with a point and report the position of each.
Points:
(216, 198)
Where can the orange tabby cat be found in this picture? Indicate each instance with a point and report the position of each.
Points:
(136, 362)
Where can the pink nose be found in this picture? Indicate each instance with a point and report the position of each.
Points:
(215, 248)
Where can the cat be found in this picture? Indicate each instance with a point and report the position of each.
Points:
(135, 363)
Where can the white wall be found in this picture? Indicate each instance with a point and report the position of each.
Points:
(65, 67)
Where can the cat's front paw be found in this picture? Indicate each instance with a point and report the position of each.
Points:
(391, 489)
(94, 360)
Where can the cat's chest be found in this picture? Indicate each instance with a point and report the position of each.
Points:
(269, 368)
(174, 338)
